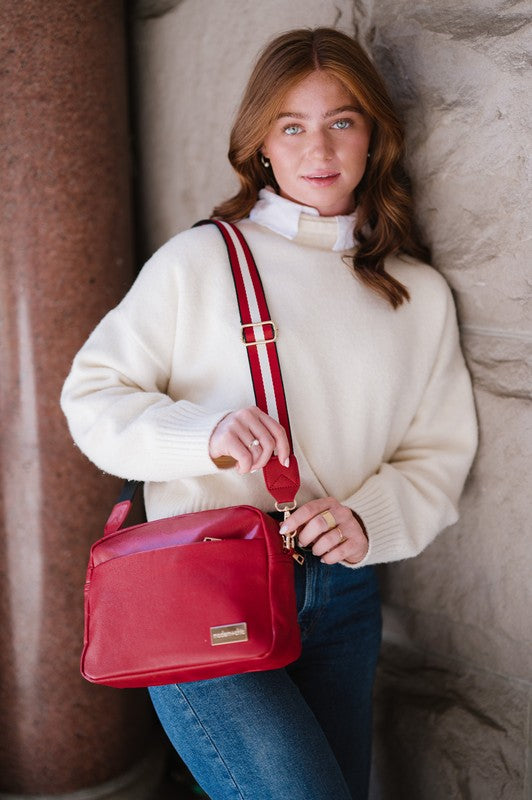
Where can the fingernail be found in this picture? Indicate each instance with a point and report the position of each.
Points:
(283, 529)
(286, 463)
(254, 470)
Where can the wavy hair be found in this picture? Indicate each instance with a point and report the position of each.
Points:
(383, 199)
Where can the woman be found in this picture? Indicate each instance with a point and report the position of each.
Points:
(378, 394)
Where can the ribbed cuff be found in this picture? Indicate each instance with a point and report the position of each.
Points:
(383, 525)
(182, 439)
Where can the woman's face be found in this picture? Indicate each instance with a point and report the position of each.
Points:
(318, 146)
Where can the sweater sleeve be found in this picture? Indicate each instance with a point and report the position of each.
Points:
(115, 397)
(414, 495)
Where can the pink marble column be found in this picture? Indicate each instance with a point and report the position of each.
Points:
(65, 244)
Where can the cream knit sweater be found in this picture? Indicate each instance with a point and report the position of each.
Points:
(380, 401)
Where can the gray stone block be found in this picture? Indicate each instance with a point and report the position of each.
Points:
(500, 360)
(458, 74)
(444, 732)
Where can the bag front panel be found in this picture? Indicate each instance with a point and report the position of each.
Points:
(178, 596)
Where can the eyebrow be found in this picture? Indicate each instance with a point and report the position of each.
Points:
(333, 113)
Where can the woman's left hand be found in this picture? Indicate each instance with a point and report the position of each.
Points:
(331, 528)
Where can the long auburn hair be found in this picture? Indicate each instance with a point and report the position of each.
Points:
(385, 224)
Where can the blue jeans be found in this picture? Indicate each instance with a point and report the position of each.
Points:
(298, 733)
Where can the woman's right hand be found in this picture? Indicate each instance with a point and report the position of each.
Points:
(250, 437)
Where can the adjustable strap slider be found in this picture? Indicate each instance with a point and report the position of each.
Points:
(267, 339)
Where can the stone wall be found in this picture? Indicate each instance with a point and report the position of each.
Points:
(454, 686)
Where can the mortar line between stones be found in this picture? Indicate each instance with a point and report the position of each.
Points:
(484, 330)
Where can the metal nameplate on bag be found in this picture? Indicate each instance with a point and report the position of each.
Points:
(228, 634)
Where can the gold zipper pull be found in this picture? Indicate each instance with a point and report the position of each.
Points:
(289, 539)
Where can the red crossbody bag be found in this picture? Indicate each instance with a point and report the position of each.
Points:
(209, 593)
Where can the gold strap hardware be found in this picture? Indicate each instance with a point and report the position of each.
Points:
(289, 539)
(286, 508)
(257, 325)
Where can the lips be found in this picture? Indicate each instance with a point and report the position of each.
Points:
(321, 178)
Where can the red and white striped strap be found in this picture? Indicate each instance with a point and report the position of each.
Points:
(259, 334)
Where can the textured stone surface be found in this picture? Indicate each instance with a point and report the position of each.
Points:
(459, 77)
(65, 243)
(445, 733)
(501, 359)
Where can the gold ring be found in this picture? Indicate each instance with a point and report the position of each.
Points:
(328, 518)
(254, 443)
(342, 537)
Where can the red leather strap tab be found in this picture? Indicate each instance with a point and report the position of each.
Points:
(117, 517)
(282, 482)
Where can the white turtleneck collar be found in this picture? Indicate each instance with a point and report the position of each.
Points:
(283, 216)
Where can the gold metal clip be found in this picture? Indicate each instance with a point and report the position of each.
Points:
(286, 508)
(289, 539)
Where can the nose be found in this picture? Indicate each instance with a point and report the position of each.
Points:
(321, 145)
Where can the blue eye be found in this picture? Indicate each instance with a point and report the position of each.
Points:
(342, 124)
(291, 130)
